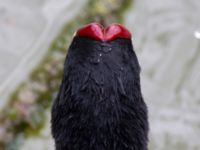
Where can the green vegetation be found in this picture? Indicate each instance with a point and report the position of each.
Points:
(24, 115)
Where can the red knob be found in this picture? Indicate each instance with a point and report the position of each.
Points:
(115, 31)
(92, 30)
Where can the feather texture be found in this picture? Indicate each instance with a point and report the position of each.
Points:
(99, 105)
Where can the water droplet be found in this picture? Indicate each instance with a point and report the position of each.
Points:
(107, 49)
(100, 54)
(197, 34)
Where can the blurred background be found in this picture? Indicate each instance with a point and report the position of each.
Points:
(35, 35)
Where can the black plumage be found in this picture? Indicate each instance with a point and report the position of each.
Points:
(99, 105)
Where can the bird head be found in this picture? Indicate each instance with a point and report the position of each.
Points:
(112, 46)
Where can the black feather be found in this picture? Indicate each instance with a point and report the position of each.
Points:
(99, 105)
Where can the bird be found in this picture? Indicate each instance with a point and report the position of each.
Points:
(99, 105)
